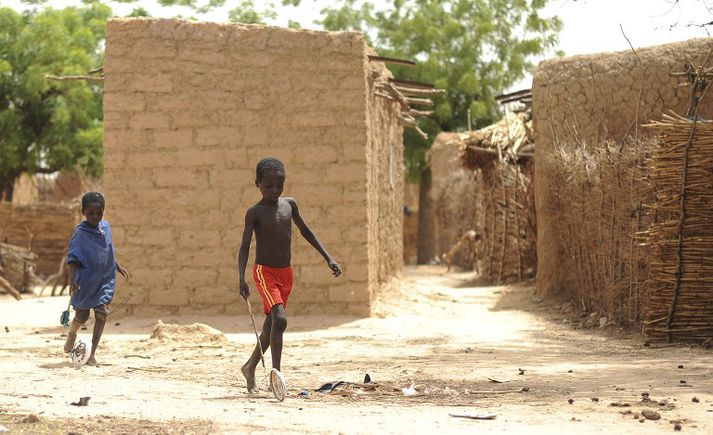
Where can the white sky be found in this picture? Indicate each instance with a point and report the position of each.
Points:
(590, 26)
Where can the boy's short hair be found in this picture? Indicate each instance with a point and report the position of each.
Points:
(92, 197)
(268, 165)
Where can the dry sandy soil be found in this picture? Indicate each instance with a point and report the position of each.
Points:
(440, 332)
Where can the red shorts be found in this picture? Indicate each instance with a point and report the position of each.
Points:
(274, 285)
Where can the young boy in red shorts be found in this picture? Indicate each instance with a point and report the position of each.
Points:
(271, 220)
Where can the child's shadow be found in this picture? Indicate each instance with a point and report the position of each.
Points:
(59, 365)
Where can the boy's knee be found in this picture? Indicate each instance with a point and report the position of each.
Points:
(81, 316)
(100, 317)
(279, 318)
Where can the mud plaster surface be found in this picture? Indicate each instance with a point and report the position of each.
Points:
(440, 332)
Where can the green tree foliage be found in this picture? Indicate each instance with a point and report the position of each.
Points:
(48, 125)
(474, 49)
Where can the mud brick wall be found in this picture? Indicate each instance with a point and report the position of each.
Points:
(587, 100)
(190, 108)
(46, 228)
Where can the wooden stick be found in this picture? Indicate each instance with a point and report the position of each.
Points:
(392, 60)
(61, 78)
(5, 284)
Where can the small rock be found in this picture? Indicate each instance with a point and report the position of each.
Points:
(536, 300)
(641, 420)
(570, 401)
(304, 394)
(650, 415)
(524, 389)
(521, 371)
(602, 322)
(117, 323)
(682, 381)
(468, 350)
(695, 400)
(680, 366)
(31, 418)
(569, 371)
(645, 395)
(677, 427)
(594, 399)
(647, 344)
(7, 329)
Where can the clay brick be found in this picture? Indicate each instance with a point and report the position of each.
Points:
(215, 295)
(158, 237)
(172, 138)
(175, 296)
(178, 178)
(149, 120)
(124, 102)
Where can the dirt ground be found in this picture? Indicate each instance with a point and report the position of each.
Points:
(441, 333)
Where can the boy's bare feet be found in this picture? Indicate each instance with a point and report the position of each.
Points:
(250, 378)
(92, 361)
(69, 344)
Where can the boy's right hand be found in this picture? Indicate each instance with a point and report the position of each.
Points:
(244, 290)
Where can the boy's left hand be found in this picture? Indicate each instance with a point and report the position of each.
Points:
(124, 272)
(336, 268)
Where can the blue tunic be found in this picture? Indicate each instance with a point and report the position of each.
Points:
(93, 251)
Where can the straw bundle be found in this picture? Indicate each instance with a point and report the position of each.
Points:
(681, 241)
(17, 265)
(44, 229)
(507, 252)
(600, 195)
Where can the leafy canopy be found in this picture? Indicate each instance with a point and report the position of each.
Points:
(49, 125)
(474, 49)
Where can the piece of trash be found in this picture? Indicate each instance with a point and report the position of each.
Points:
(410, 391)
(602, 322)
(330, 387)
(304, 394)
(83, 401)
(570, 401)
(480, 416)
(31, 418)
(650, 415)
(521, 371)
(695, 399)
(524, 389)
(496, 381)
(367, 379)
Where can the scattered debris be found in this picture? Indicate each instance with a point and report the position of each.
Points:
(410, 391)
(496, 381)
(695, 399)
(569, 371)
(31, 418)
(482, 416)
(83, 401)
(650, 415)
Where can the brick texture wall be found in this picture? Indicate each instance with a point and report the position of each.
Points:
(189, 110)
(586, 100)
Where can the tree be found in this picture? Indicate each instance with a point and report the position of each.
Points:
(474, 49)
(49, 125)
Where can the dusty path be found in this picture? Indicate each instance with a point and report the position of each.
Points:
(435, 331)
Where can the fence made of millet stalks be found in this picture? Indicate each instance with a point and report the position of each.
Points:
(601, 195)
(680, 243)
